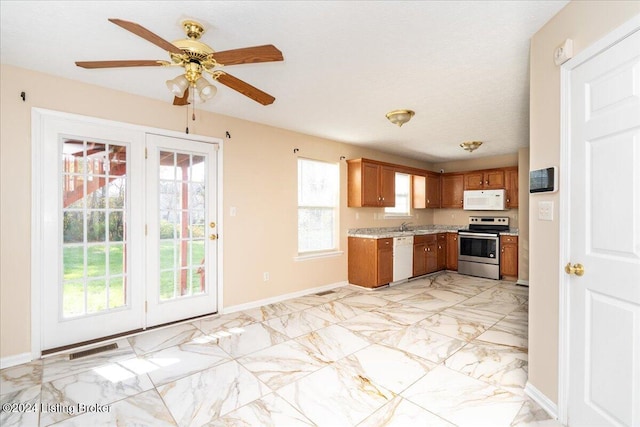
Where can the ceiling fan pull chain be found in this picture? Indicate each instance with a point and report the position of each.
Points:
(187, 120)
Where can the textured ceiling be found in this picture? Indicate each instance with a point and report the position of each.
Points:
(462, 66)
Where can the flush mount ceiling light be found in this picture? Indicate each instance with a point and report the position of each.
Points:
(471, 145)
(400, 117)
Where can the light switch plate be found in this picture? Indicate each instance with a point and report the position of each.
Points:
(545, 211)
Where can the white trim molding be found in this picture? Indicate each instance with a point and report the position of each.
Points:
(280, 298)
(17, 359)
(543, 401)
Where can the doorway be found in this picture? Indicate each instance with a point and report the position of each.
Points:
(128, 226)
(599, 381)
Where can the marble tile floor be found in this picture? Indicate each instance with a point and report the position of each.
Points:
(442, 350)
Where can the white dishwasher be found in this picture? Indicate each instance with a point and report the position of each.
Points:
(402, 259)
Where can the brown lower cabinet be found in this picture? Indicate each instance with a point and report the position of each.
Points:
(429, 253)
(509, 257)
(452, 251)
(370, 261)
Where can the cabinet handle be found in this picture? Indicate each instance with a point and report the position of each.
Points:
(487, 182)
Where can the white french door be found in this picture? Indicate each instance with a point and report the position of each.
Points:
(126, 229)
(604, 238)
(182, 229)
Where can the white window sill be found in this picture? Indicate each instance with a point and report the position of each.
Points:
(316, 255)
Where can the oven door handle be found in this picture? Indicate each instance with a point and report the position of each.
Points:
(462, 233)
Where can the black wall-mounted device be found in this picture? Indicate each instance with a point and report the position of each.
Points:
(543, 180)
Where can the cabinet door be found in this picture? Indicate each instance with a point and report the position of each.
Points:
(385, 265)
(452, 191)
(362, 268)
(433, 191)
(511, 187)
(452, 251)
(370, 185)
(494, 179)
(432, 257)
(387, 186)
(509, 256)
(419, 266)
(442, 255)
(474, 181)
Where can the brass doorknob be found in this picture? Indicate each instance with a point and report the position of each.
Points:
(577, 269)
(213, 237)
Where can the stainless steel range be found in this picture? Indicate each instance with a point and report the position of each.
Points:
(479, 246)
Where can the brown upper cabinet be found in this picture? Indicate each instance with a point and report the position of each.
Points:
(511, 187)
(452, 190)
(426, 191)
(484, 180)
(370, 184)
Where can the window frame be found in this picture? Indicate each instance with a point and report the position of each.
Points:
(321, 252)
(390, 212)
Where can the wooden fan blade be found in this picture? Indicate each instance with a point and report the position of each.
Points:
(184, 100)
(246, 89)
(140, 31)
(123, 63)
(248, 55)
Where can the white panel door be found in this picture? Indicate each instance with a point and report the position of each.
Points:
(182, 229)
(604, 303)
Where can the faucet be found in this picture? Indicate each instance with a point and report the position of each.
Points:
(403, 226)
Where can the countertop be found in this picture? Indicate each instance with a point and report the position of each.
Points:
(389, 232)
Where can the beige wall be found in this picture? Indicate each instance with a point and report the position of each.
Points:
(260, 176)
(584, 22)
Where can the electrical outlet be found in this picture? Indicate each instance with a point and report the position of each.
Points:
(265, 276)
(233, 211)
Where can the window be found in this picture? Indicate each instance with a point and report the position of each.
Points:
(318, 189)
(403, 200)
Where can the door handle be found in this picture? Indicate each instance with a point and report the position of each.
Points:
(213, 237)
(577, 269)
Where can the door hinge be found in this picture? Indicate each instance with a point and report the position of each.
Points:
(145, 229)
(145, 307)
(146, 153)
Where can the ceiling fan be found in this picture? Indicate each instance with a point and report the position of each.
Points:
(196, 58)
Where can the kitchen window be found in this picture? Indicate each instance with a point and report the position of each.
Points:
(403, 198)
(318, 196)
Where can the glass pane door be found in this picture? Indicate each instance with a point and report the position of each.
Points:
(94, 239)
(92, 231)
(182, 229)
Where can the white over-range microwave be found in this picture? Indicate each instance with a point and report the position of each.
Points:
(484, 200)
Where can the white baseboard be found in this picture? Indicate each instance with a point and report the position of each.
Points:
(545, 403)
(522, 282)
(280, 298)
(17, 359)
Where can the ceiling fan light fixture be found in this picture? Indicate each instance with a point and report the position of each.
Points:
(205, 90)
(400, 117)
(178, 85)
(470, 146)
